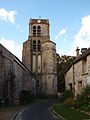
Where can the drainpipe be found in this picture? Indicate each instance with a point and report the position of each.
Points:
(73, 80)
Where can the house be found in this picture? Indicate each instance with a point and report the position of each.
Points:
(77, 76)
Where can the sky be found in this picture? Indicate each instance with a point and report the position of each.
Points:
(69, 23)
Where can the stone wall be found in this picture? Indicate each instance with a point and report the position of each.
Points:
(88, 69)
(14, 76)
(22, 79)
(78, 76)
(49, 72)
(69, 78)
(88, 64)
(26, 54)
(43, 23)
(6, 73)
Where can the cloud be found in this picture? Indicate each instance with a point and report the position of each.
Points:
(7, 15)
(12, 47)
(82, 38)
(62, 32)
(60, 52)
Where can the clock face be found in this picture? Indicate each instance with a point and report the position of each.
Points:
(39, 21)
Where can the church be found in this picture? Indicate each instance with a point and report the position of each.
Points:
(39, 56)
(37, 72)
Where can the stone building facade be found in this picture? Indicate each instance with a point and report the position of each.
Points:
(39, 56)
(77, 76)
(14, 76)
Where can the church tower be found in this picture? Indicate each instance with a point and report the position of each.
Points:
(39, 55)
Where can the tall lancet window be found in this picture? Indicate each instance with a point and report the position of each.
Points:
(34, 63)
(34, 45)
(34, 30)
(39, 63)
(39, 45)
(38, 31)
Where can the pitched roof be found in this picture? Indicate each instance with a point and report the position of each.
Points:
(81, 57)
(85, 54)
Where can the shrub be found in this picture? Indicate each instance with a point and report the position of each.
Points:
(25, 97)
(83, 99)
(70, 102)
(66, 94)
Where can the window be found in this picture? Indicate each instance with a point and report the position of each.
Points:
(37, 83)
(34, 30)
(84, 66)
(38, 31)
(34, 63)
(39, 45)
(80, 87)
(34, 45)
(70, 85)
(88, 80)
(39, 63)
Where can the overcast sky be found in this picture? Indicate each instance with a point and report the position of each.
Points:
(69, 23)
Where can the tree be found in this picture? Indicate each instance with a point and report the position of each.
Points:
(63, 62)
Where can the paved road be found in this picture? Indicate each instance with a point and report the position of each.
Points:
(39, 111)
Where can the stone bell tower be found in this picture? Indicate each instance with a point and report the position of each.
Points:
(39, 55)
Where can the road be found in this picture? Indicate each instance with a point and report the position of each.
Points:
(39, 111)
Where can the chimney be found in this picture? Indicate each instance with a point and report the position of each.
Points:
(83, 50)
(77, 52)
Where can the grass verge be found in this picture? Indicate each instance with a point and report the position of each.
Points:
(68, 113)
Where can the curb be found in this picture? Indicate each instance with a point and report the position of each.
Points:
(18, 113)
(57, 115)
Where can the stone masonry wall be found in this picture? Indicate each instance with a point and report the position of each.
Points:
(26, 54)
(88, 64)
(22, 79)
(79, 77)
(49, 79)
(11, 76)
(69, 78)
(6, 71)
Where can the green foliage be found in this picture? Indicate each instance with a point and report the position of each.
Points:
(63, 63)
(70, 102)
(25, 97)
(66, 94)
(85, 107)
(68, 113)
(83, 100)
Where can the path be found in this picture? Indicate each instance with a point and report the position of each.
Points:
(39, 111)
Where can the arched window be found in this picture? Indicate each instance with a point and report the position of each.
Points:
(34, 30)
(38, 31)
(34, 64)
(34, 45)
(39, 45)
(39, 63)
